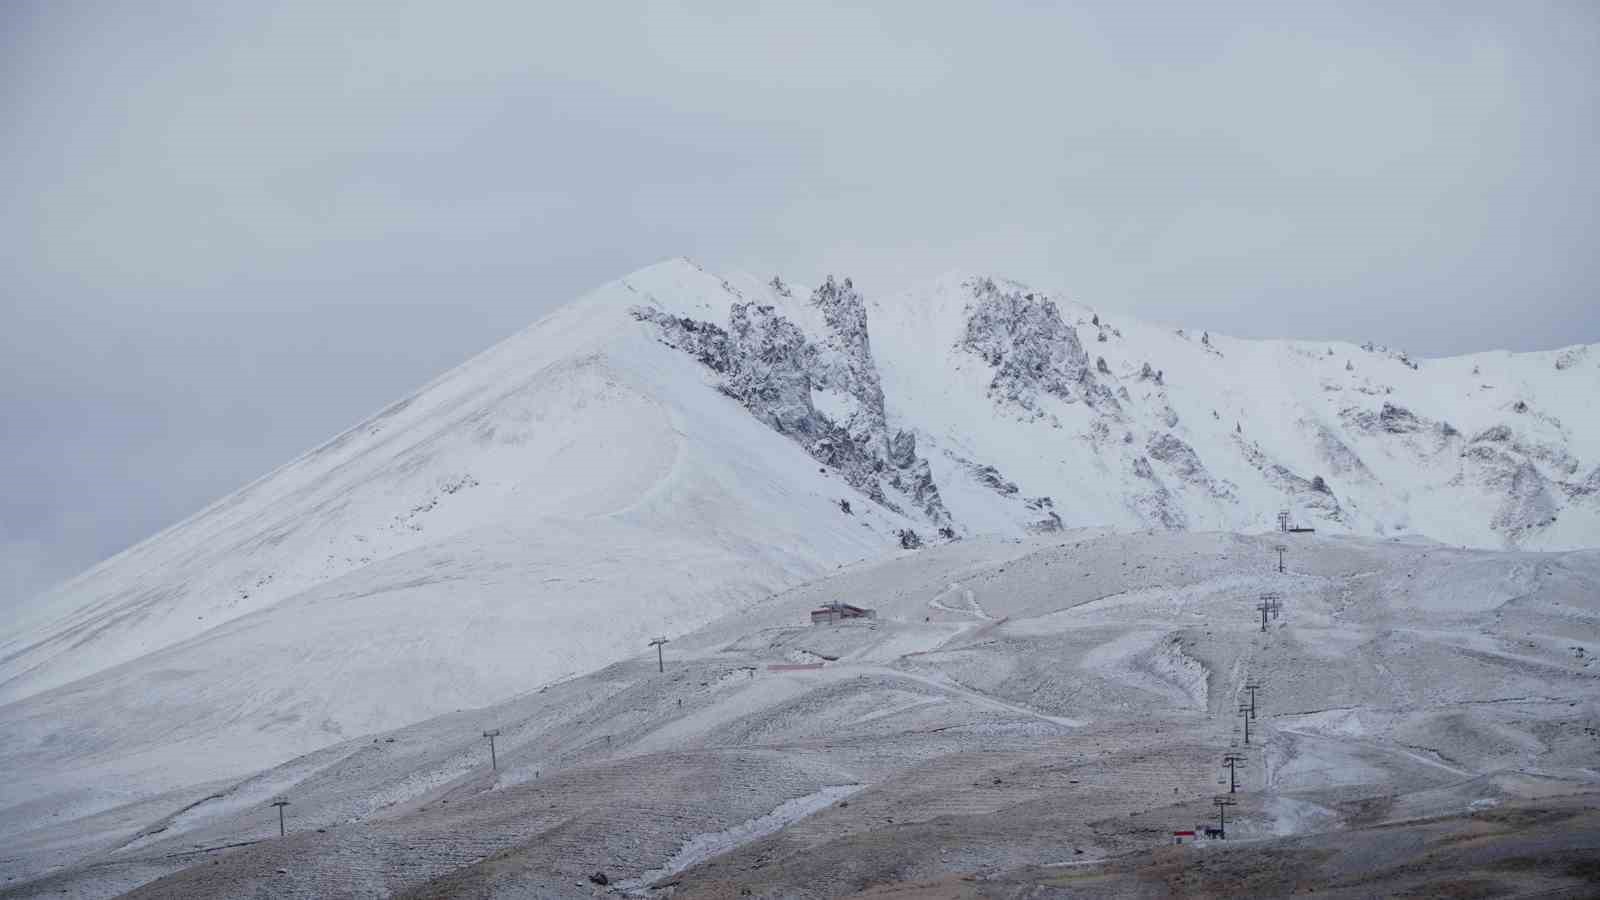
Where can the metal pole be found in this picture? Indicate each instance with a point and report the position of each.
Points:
(494, 760)
(280, 803)
(1245, 711)
(1252, 687)
(1222, 814)
(1231, 761)
(657, 643)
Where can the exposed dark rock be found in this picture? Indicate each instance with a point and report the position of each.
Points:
(901, 449)
(1397, 419)
(1300, 489)
(1178, 455)
(1023, 337)
(1337, 454)
(991, 477)
(1050, 523)
(702, 340)
(770, 366)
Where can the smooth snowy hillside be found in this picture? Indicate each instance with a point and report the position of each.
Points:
(674, 445)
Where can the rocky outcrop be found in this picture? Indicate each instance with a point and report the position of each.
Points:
(1588, 488)
(1342, 461)
(1526, 499)
(1311, 494)
(1182, 460)
(1032, 349)
(1390, 419)
(1155, 504)
(773, 368)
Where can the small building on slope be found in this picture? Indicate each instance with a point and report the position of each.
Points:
(838, 612)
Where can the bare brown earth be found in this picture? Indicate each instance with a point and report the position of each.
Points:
(1528, 849)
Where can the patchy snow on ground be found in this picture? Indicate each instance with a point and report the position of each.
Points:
(707, 459)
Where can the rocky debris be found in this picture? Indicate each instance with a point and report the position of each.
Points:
(909, 539)
(600, 878)
(1100, 366)
(1031, 348)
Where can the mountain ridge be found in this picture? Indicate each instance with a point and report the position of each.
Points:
(675, 444)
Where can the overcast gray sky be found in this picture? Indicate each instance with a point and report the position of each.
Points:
(234, 229)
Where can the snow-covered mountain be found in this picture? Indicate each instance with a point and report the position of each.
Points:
(676, 444)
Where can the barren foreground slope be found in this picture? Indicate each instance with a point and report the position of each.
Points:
(1022, 716)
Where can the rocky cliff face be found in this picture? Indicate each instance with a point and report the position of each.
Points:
(779, 373)
(1156, 428)
(1032, 349)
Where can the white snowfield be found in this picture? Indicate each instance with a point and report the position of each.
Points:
(675, 446)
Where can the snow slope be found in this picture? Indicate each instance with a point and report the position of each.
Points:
(1016, 702)
(675, 445)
